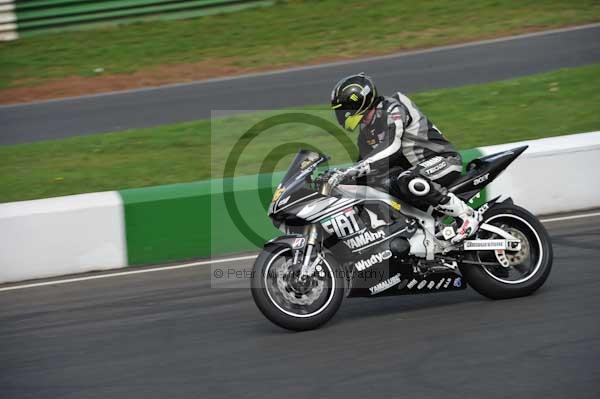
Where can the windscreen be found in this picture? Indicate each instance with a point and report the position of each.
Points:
(303, 159)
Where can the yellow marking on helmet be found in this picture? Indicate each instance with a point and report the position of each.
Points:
(352, 122)
(354, 97)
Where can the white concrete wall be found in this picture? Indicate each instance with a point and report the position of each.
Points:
(555, 174)
(63, 235)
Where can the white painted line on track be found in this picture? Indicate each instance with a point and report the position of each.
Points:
(314, 66)
(558, 219)
(154, 269)
(214, 261)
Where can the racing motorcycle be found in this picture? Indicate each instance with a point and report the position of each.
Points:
(343, 239)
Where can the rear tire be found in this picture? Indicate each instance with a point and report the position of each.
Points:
(495, 282)
(285, 307)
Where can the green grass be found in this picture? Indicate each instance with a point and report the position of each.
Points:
(556, 103)
(293, 32)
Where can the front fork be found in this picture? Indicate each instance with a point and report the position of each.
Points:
(312, 234)
(311, 241)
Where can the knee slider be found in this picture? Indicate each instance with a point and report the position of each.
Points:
(419, 187)
(412, 185)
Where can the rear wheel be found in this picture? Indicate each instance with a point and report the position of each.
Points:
(294, 303)
(523, 271)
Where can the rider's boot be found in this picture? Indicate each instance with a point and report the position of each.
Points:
(457, 208)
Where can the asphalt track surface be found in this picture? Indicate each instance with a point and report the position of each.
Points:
(168, 334)
(410, 72)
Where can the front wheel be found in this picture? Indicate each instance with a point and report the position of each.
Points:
(294, 303)
(526, 269)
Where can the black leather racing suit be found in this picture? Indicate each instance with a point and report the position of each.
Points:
(400, 135)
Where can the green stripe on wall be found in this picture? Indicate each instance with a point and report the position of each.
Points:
(190, 220)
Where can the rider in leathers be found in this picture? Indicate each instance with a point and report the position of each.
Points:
(393, 132)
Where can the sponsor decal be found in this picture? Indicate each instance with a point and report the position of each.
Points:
(278, 193)
(402, 284)
(343, 224)
(384, 285)
(373, 260)
(298, 242)
(430, 162)
(395, 205)
(481, 179)
(484, 244)
(364, 239)
(436, 168)
(432, 284)
(285, 200)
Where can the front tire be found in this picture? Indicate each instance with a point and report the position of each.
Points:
(529, 268)
(287, 305)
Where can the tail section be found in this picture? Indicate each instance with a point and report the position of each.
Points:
(482, 171)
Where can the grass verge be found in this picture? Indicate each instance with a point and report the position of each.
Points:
(288, 33)
(561, 102)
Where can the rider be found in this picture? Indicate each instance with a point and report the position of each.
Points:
(394, 133)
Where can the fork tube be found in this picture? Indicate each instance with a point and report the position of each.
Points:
(310, 244)
(312, 235)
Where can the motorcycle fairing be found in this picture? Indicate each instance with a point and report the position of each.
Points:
(482, 171)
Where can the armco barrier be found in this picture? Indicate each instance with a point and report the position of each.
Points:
(169, 223)
(28, 17)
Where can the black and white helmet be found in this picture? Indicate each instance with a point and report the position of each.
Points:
(351, 98)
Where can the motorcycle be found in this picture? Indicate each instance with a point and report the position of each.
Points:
(353, 240)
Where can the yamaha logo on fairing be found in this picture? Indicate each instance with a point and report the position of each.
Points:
(384, 285)
(430, 162)
(373, 260)
(364, 239)
(343, 224)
